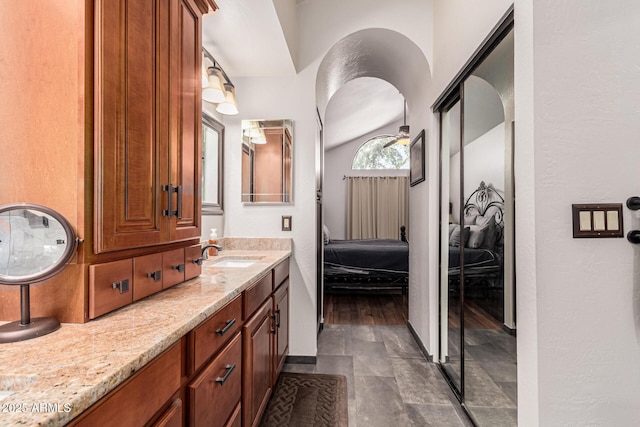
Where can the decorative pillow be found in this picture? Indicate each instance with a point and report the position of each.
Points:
(487, 223)
(476, 237)
(470, 219)
(454, 240)
(451, 228)
(325, 234)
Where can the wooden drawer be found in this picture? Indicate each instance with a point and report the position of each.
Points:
(173, 268)
(191, 268)
(140, 397)
(215, 393)
(110, 286)
(172, 417)
(280, 272)
(257, 294)
(147, 275)
(207, 338)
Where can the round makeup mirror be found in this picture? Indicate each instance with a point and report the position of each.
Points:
(35, 244)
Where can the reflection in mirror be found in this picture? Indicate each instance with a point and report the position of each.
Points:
(489, 356)
(212, 165)
(35, 244)
(450, 289)
(267, 161)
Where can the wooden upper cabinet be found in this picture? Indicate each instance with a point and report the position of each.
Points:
(185, 126)
(147, 133)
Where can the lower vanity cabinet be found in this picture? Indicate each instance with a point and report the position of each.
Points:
(137, 400)
(265, 338)
(214, 395)
(281, 337)
(257, 364)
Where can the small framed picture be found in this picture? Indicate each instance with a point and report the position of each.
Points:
(416, 153)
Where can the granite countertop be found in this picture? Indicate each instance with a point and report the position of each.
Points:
(56, 377)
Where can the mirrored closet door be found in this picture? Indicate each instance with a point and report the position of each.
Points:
(477, 281)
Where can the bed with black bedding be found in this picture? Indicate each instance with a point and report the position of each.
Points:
(366, 264)
(479, 242)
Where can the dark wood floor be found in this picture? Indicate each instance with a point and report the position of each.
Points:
(365, 309)
(476, 315)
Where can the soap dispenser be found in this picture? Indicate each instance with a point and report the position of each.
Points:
(213, 240)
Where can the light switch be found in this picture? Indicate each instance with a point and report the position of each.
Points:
(286, 222)
(585, 221)
(597, 220)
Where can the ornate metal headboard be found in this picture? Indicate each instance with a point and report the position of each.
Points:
(486, 199)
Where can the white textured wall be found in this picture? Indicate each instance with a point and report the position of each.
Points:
(338, 164)
(578, 106)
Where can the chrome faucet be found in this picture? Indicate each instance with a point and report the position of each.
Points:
(205, 253)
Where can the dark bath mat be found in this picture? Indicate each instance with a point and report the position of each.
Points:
(308, 400)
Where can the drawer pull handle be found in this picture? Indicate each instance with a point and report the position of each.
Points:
(122, 286)
(179, 267)
(277, 318)
(228, 325)
(156, 275)
(198, 261)
(229, 368)
(273, 330)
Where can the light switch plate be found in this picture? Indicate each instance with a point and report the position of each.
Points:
(286, 222)
(597, 220)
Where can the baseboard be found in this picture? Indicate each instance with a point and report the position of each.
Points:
(423, 349)
(301, 360)
(513, 332)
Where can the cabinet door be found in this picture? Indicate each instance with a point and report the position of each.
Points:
(257, 364)
(185, 118)
(281, 338)
(128, 171)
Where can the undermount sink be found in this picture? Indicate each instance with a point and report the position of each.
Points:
(235, 263)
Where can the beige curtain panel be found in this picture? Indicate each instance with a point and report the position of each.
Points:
(377, 206)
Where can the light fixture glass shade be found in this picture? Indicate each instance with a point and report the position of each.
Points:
(259, 140)
(214, 92)
(229, 106)
(205, 78)
(403, 135)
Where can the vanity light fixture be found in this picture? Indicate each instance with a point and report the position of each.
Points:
(229, 106)
(214, 92)
(218, 88)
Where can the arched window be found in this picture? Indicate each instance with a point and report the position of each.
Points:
(373, 155)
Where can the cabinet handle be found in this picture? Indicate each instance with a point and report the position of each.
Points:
(223, 379)
(179, 267)
(170, 189)
(273, 330)
(228, 325)
(277, 318)
(179, 211)
(122, 286)
(198, 261)
(156, 275)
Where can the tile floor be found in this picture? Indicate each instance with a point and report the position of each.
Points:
(388, 379)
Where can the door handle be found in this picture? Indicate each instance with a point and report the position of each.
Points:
(170, 189)
(633, 203)
(634, 236)
(179, 211)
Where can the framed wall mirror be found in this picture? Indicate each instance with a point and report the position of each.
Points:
(212, 166)
(267, 161)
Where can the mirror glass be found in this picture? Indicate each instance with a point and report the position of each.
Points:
(35, 243)
(450, 234)
(267, 161)
(489, 349)
(212, 165)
